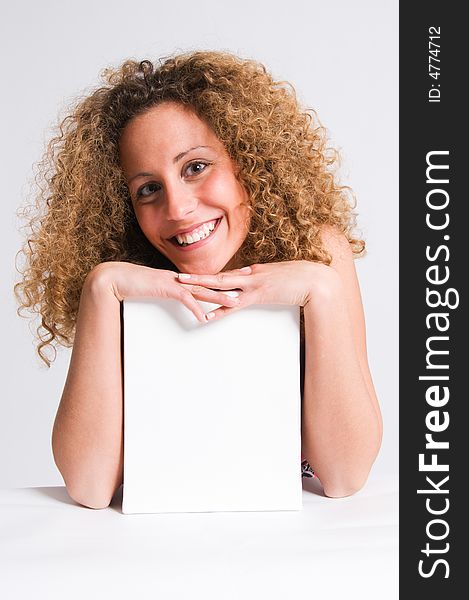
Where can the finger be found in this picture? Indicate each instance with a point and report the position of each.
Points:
(242, 271)
(230, 298)
(223, 281)
(218, 313)
(214, 315)
(191, 303)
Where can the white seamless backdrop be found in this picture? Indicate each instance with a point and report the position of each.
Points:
(341, 56)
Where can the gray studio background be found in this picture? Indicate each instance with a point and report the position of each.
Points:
(342, 58)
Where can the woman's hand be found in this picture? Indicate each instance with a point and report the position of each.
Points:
(127, 280)
(289, 282)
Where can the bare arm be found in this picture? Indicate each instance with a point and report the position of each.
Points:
(87, 438)
(342, 425)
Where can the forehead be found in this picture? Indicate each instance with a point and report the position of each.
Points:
(166, 126)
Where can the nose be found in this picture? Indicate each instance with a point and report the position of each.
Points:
(181, 201)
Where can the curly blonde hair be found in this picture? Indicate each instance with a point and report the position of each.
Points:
(83, 214)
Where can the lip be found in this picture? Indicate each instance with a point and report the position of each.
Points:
(192, 227)
(200, 242)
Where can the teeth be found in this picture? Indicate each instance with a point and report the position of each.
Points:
(184, 239)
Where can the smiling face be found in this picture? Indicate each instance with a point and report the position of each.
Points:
(186, 197)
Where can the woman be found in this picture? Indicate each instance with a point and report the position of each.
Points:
(182, 181)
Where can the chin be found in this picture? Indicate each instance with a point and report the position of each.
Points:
(201, 268)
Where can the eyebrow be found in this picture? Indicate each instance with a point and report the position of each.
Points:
(175, 160)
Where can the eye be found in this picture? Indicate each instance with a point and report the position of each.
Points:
(196, 167)
(147, 190)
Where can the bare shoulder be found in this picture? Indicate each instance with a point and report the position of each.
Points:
(336, 244)
(343, 262)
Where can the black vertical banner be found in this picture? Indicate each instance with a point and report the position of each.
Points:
(434, 240)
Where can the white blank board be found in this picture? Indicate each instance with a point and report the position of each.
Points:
(212, 412)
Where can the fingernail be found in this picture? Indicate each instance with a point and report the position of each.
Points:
(245, 269)
(184, 276)
(209, 315)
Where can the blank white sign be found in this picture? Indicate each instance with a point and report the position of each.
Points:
(212, 412)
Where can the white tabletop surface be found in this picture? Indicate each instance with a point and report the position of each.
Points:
(51, 548)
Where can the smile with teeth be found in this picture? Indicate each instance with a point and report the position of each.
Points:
(200, 233)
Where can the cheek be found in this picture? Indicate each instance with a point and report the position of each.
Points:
(149, 221)
(216, 189)
(228, 194)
